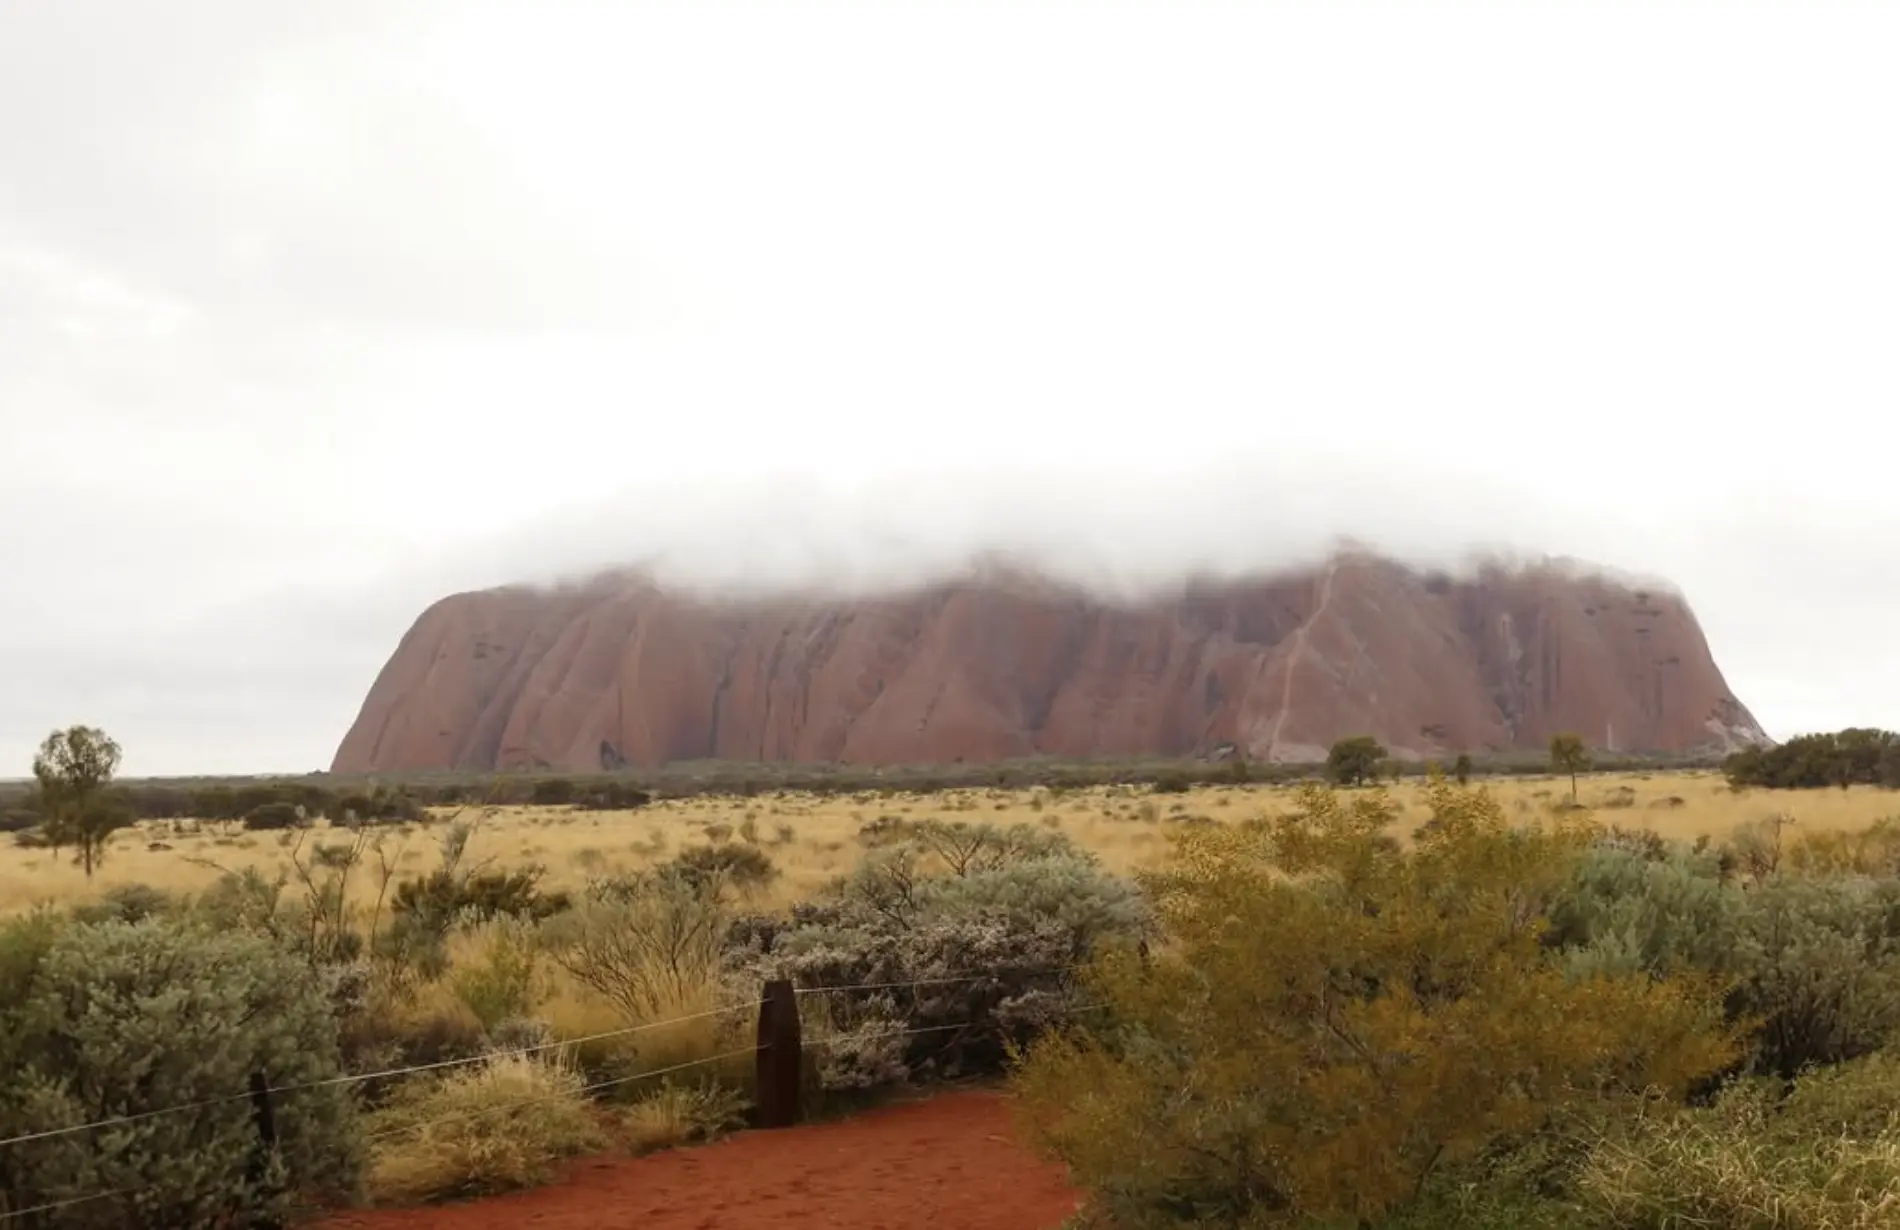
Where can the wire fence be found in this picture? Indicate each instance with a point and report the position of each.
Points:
(381, 1074)
(403, 1129)
(266, 1091)
(467, 1060)
(53, 1206)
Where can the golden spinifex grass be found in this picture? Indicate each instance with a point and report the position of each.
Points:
(813, 838)
(1823, 1156)
(486, 1128)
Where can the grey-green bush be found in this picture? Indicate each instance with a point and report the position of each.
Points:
(110, 1020)
(1626, 909)
(1819, 964)
(1812, 962)
(982, 928)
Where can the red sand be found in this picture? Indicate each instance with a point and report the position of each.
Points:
(949, 1161)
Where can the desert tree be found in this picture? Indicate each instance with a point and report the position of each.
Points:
(1461, 769)
(1355, 760)
(1569, 755)
(74, 769)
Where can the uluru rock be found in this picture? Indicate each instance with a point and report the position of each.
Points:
(1003, 665)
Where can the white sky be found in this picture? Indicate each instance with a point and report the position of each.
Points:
(312, 312)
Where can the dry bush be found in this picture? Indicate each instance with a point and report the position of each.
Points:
(485, 1128)
(651, 945)
(645, 953)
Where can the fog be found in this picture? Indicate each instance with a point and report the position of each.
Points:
(310, 315)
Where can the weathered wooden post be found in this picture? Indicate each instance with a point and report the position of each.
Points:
(780, 1056)
(265, 1120)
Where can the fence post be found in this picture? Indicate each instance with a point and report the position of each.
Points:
(266, 1121)
(780, 1055)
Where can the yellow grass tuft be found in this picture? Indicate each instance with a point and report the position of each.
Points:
(497, 1125)
(675, 1115)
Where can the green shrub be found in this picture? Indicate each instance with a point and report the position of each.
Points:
(741, 866)
(1354, 761)
(126, 903)
(612, 796)
(444, 895)
(499, 984)
(379, 806)
(116, 1019)
(552, 792)
(1856, 756)
(269, 816)
(1172, 781)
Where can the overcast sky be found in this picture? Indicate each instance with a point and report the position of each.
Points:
(311, 313)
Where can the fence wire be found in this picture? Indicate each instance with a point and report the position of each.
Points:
(478, 1112)
(364, 1077)
(55, 1205)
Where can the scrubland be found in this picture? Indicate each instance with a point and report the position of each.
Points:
(815, 837)
(1418, 1005)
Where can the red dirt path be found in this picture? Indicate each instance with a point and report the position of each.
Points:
(949, 1162)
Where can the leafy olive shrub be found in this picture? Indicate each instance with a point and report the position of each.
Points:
(114, 1019)
(1334, 1020)
(966, 938)
(552, 792)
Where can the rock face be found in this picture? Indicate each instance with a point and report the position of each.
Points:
(999, 666)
